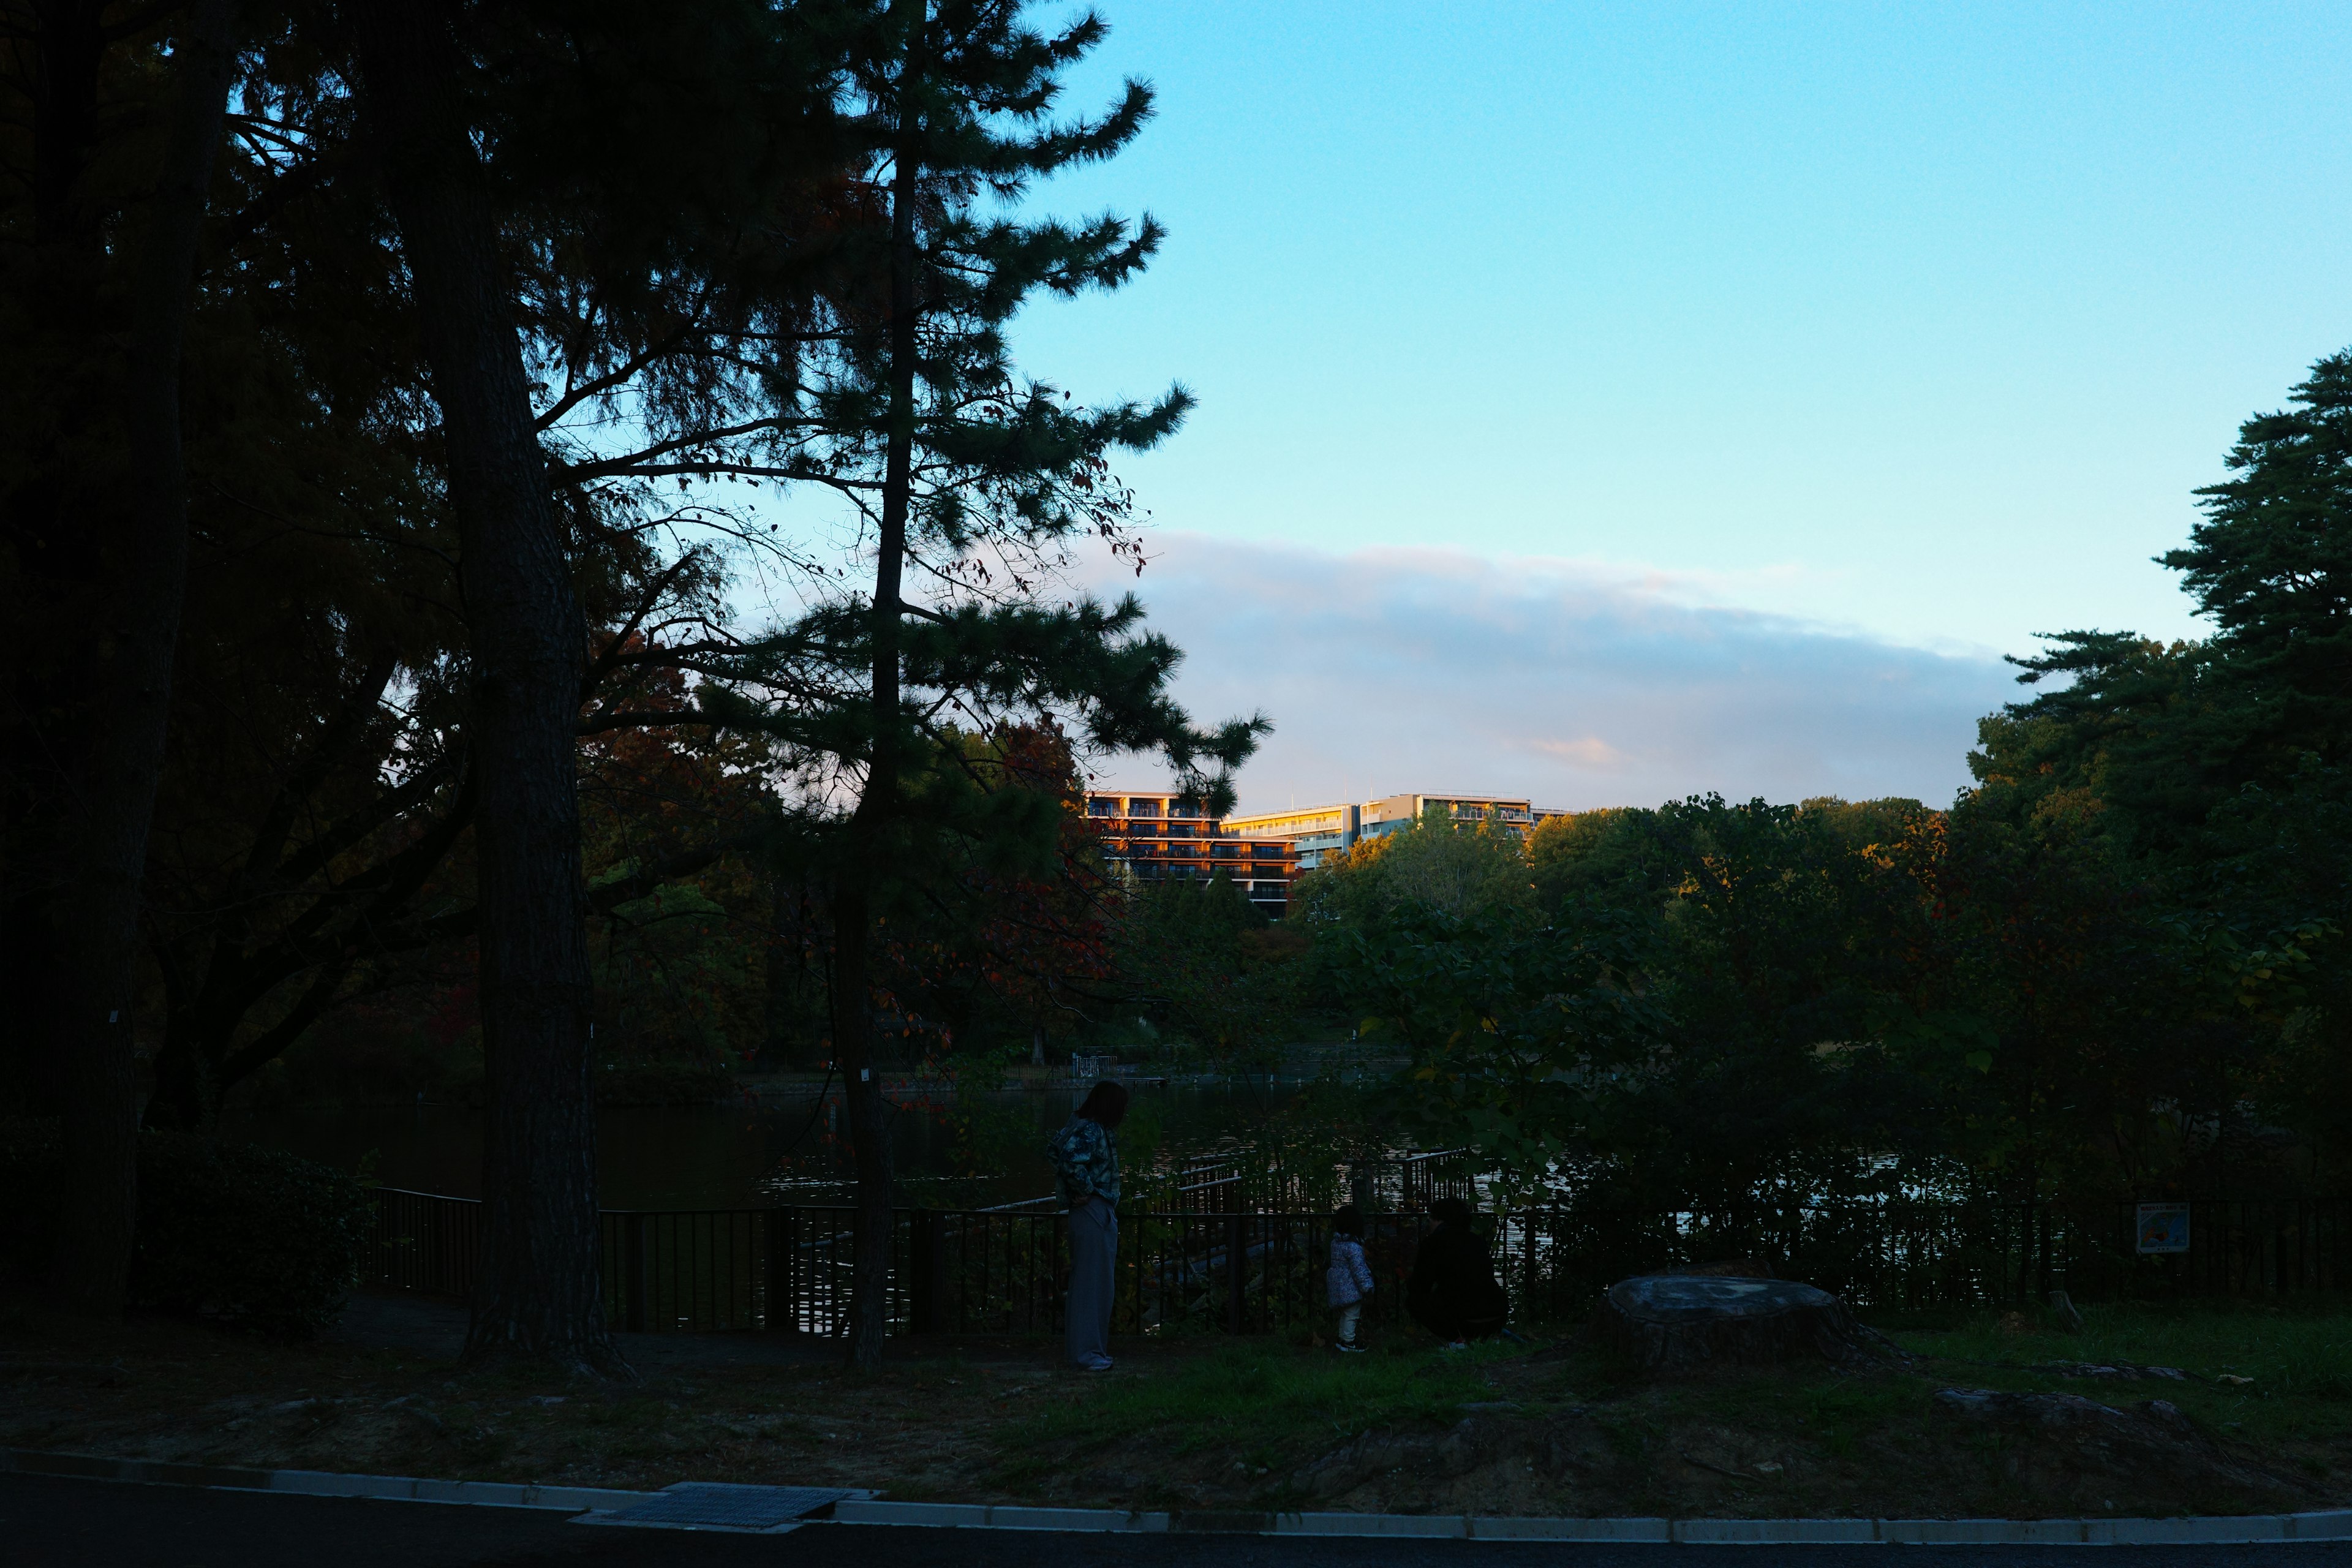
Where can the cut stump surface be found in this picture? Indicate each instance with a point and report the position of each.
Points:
(1672, 1322)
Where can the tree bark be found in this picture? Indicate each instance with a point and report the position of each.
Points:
(100, 733)
(62, 571)
(866, 864)
(540, 1293)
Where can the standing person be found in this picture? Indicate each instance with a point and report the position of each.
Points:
(1349, 1279)
(1453, 1293)
(1086, 1175)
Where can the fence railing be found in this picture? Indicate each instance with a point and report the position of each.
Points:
(1004, 1270)
(703, 1270)
(1417, 1181)
(2238, 1246)
(1245, 1177)
(423, 1242)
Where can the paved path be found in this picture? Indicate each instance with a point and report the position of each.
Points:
(51, 1523)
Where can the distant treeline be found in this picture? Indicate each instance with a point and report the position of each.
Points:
(2115, 965)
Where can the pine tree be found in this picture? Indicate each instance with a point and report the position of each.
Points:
(969, 480)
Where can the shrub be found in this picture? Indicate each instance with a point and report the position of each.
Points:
(243, 1235)
(29, 1172)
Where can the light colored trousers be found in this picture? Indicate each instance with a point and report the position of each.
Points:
(1348, 1314)
(1094, 1255)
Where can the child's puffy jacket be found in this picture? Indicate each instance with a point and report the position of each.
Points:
(1349, 1279)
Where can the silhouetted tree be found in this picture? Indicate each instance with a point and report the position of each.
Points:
(100, 246)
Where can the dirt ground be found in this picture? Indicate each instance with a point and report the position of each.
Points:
(1201, 1424)
(382, 1395)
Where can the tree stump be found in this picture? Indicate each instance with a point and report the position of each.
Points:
(1679, 1321)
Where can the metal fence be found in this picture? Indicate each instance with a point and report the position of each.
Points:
(423, 1242)
(1247, 1178)
(1883, 1255)
(2238, 1246)
(1002, 1270)
(702, 1270)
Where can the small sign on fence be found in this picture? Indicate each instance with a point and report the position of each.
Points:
(2162, 1228)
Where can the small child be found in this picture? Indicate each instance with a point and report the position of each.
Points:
(1349, 1279)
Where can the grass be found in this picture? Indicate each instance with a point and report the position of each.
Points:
(1255, 1405)
(1211, 1422)
(2297, 1357)
(1837, 1413)
(1243, 1423)
(2297, 1350)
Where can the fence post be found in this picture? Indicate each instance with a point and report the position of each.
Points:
(1057, 1270)
(947, 1291)
(1127, 1242)
(633, 1275)
(783, 1238)
(922, 1273)
(1528, 1280)
(646, 1247)
(1236, 1272)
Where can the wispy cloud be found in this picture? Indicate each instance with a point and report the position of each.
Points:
(1580, 685)
(1590, 754)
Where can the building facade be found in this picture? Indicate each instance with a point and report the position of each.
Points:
(1317, 831)
(1160, 838)
(1157, 837)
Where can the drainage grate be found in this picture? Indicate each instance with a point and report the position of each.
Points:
(709, 1505)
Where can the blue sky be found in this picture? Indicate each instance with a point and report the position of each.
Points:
(1854, 335)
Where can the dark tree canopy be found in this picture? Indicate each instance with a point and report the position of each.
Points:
(748, 256)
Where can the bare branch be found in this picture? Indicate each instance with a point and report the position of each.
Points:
(604, 662)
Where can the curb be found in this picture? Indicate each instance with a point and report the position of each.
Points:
(316, 1483)
(2334, 1524)
(2221, 1530)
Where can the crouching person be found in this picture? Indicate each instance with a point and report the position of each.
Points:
(1454, 1292)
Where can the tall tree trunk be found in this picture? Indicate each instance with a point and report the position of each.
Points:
(101, 735)
(540, 1293)
(868, 863)
(60, 570)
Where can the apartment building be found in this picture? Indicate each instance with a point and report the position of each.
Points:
(1160, 838)
(1318, 830)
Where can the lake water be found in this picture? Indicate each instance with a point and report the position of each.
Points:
(956, 1151)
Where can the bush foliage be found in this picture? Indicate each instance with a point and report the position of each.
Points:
(242, 1236)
